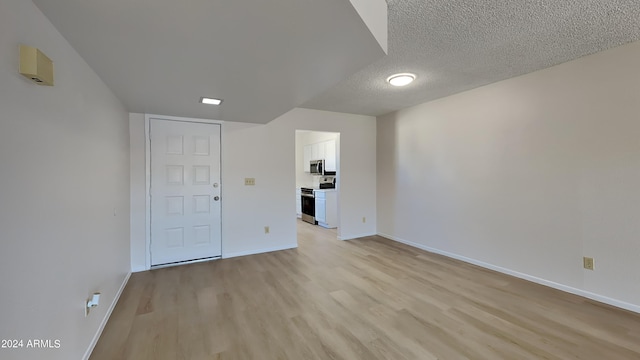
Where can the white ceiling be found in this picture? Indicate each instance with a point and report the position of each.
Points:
(266, 57)
(263, 58)
(456, 45)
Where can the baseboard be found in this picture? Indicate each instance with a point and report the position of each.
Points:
(258, 251)
(96, 337)
(351, 237)
(552, 284)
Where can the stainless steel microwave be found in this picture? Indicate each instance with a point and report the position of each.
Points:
(316, 167)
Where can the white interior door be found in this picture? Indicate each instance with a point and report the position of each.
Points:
(185, 191)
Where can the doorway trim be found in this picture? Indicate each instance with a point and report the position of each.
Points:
(147, 164)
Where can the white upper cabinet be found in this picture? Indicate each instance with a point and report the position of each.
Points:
(307, 157)
(321, 152)
(315, 154)
(330, 155)
(325, 150)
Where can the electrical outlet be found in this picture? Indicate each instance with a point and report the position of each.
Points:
(587, 262)
(91, 303)
(249, 181)
(266, 229)
(364, 219)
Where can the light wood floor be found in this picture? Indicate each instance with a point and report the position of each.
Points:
(369, 298)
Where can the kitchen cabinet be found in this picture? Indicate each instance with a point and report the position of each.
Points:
(321, 214)
(326, 208)
(330, 156)
(320, 151)
(298, 203)
(307, 158)
(317, 151)
(325, 150)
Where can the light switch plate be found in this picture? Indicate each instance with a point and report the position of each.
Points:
(249, 181)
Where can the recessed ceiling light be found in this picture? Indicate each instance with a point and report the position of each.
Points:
(401, 79)
(210, 101)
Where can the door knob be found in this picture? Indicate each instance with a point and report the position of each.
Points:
(216, 198)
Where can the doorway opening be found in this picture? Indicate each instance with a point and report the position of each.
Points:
(317, 157)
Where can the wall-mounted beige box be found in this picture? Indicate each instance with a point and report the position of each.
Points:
(36, 66)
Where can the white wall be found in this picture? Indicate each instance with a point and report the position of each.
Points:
(64, 199)
(303, 138)
(528, 174)
(267, 153)
(138, 198)
(374, 14)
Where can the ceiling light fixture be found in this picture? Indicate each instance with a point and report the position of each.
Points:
(401, 79)
(210, 101)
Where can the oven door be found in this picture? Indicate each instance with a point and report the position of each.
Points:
(308, 208)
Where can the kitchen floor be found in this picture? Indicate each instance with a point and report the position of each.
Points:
(308, 231)
(369, 298)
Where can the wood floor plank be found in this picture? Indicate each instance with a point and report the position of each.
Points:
(369, 298)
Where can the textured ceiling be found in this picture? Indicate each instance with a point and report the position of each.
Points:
(457, 45)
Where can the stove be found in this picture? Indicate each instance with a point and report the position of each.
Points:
(308, 205)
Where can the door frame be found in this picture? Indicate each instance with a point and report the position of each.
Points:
(147, 164)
